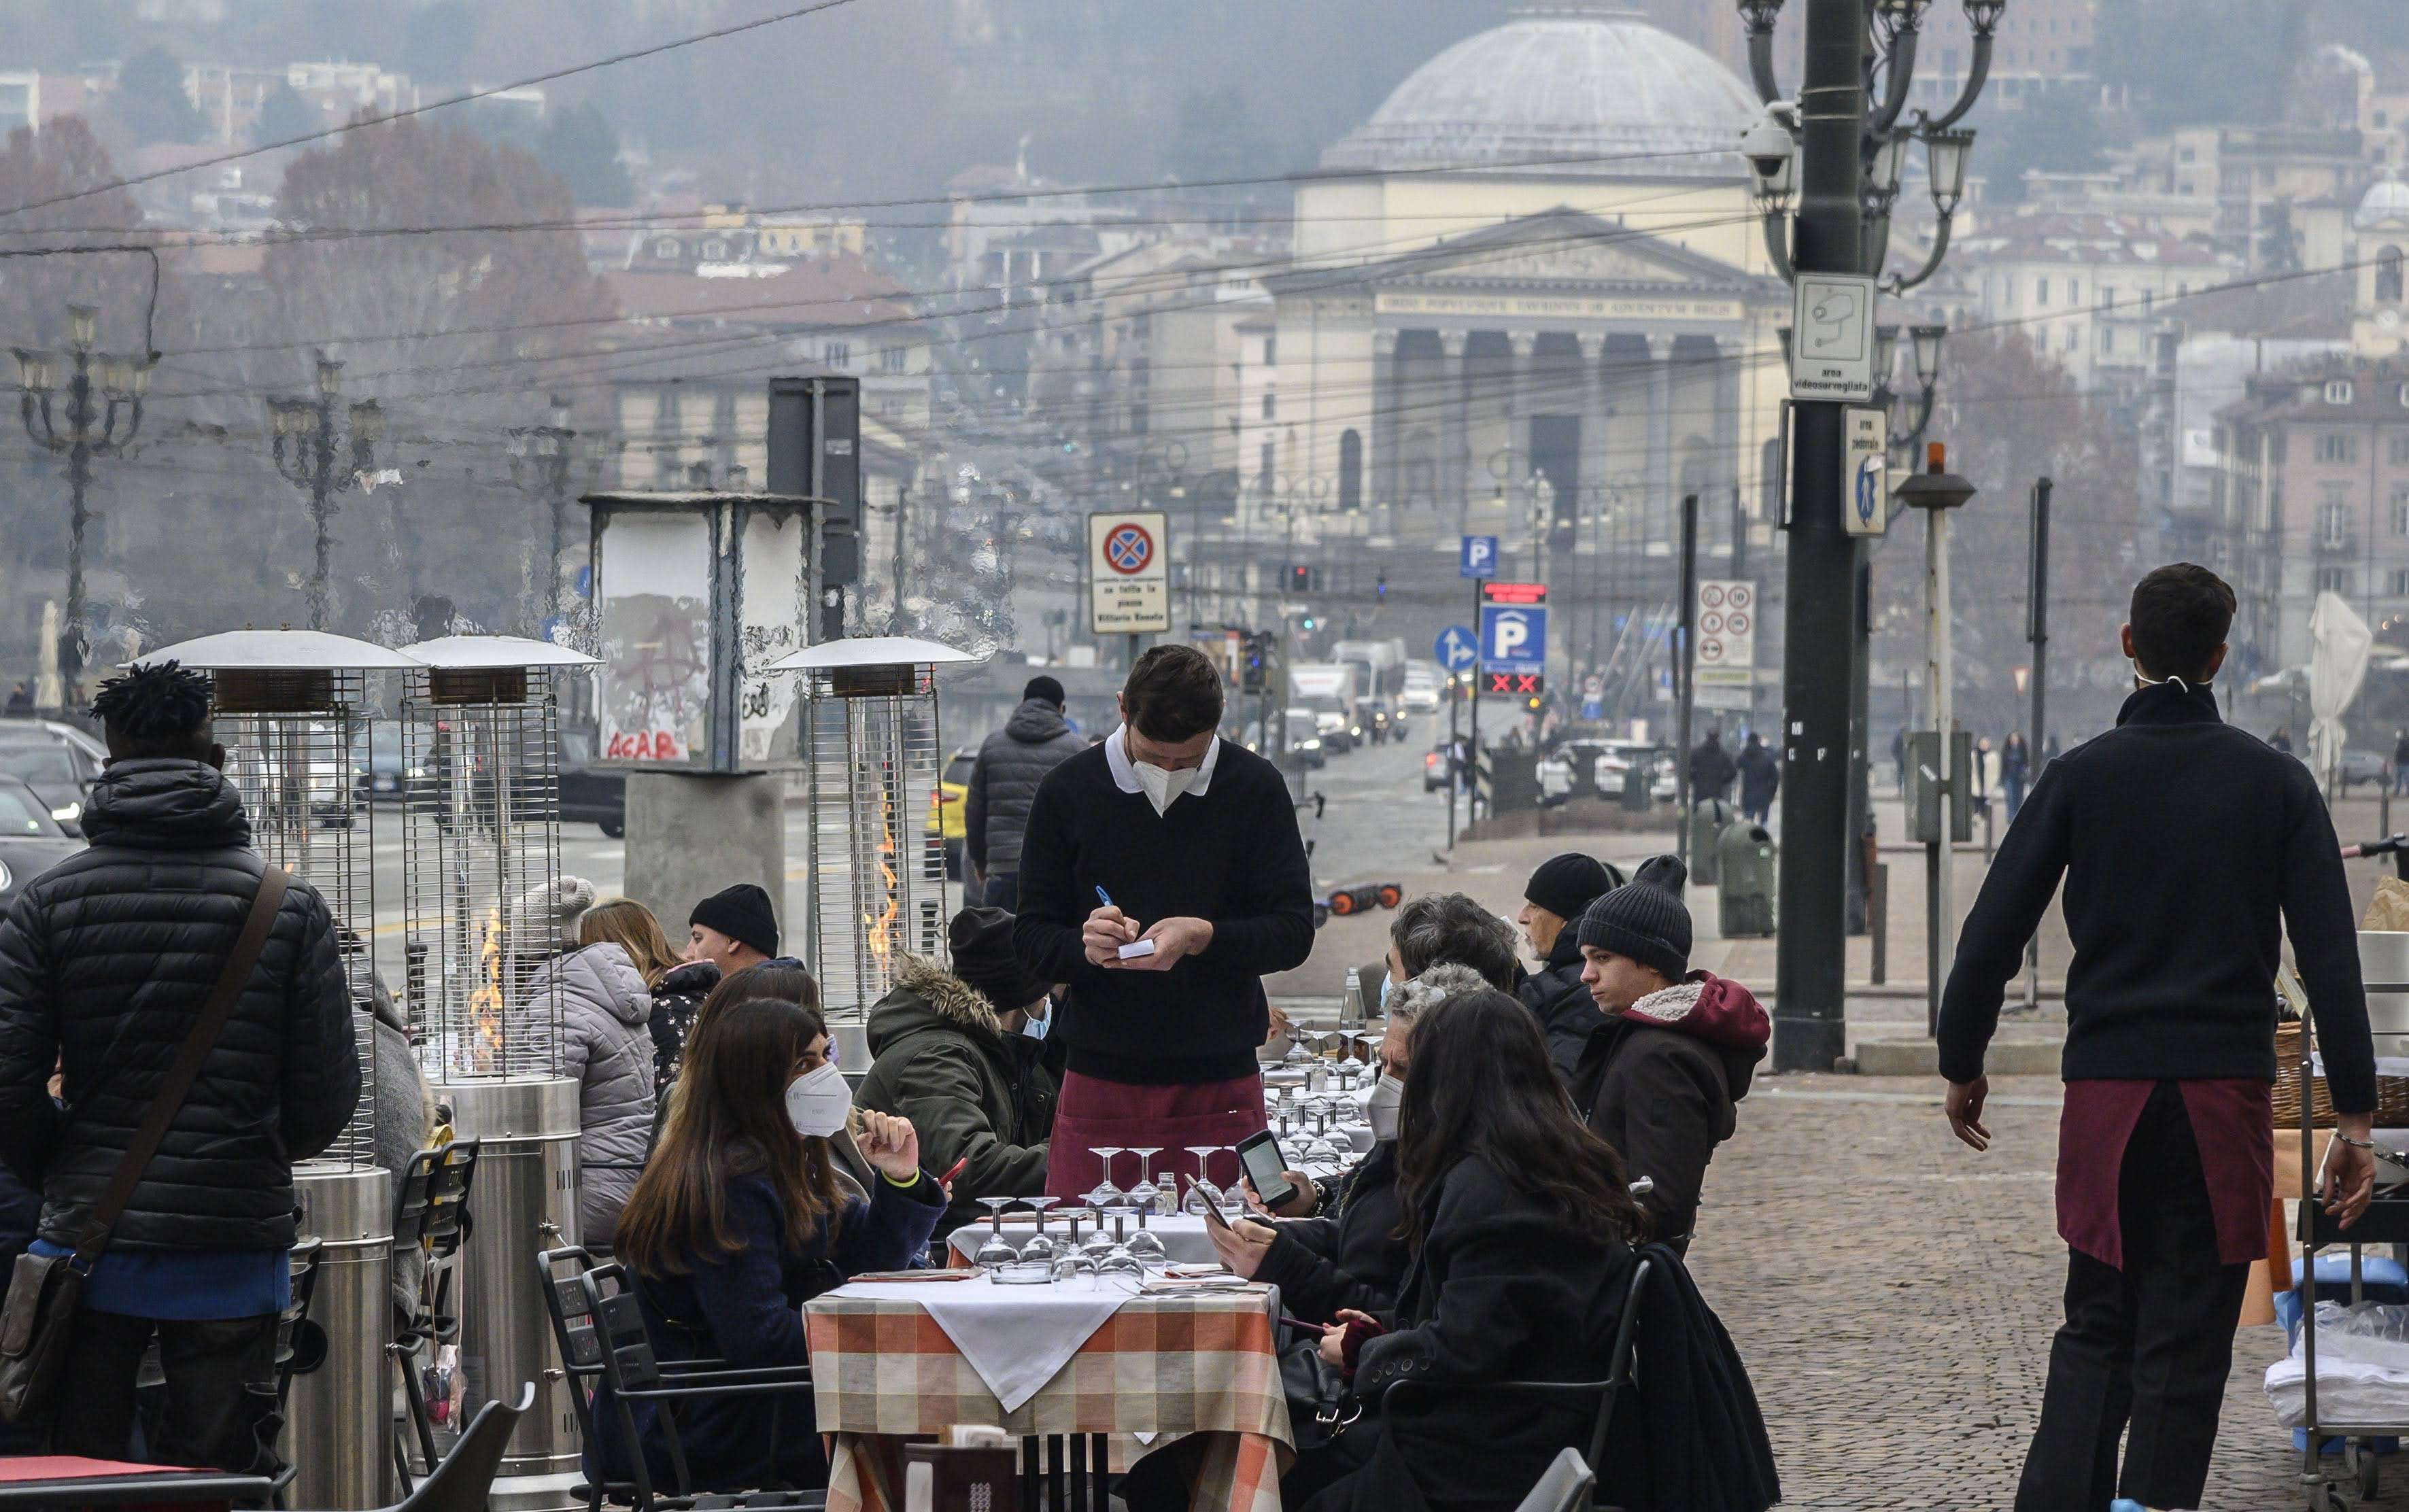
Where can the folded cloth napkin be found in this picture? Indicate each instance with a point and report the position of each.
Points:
(1016, 1337)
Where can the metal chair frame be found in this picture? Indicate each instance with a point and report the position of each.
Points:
(600, 1327)
(463, 1479)
(430, 1210)
(1609, 1391)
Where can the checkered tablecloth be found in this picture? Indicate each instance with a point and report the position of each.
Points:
(1166, 1366)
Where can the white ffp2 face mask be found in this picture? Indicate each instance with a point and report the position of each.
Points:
(1380, 1110)
(818, 1102)
(1163, 786)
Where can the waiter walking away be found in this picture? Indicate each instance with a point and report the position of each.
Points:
(1182, 850)
(2188, 847)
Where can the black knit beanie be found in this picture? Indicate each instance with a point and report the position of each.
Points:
(985, 959)
(1566, 885)
(1644, 919)
(742, 913)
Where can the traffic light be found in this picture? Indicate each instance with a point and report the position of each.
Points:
(1304, 579)
(1380, 586)
(1250, 679)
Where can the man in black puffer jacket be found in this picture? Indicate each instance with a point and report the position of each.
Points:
(1003, 783)
(105, 961)
(1554, 902)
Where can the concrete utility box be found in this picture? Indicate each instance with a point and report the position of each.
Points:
(1745, 858)
(1708, 817)
(1513, 779)
(1637, 778)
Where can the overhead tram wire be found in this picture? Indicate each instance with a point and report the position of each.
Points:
(631, 55)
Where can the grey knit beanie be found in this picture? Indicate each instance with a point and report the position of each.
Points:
(1645, 918)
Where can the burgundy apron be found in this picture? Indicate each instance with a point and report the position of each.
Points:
(1093, 1115)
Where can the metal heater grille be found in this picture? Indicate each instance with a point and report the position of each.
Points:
(480, 774)
(877, 853)
(290, 740)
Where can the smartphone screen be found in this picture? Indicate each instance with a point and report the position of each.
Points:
(1260, 1156)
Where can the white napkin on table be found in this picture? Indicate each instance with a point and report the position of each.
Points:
(1016, 1337)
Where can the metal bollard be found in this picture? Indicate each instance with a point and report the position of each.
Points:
(1879, 925)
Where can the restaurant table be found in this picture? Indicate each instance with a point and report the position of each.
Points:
(1159, 1368)
(53, 1481)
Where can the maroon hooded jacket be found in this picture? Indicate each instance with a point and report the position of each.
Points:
(1658, 1082)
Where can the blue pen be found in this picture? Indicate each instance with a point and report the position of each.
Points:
(1104, 897)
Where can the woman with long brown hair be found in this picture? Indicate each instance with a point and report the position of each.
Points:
(630, 925)
(1521, 1229)
(739, 1219)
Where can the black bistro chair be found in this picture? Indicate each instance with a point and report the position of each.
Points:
(430, 1213)
(599, 1329)
(463, 1480)
(1609, 1391)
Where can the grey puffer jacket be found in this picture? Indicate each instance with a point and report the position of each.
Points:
(105, 961)
(1003, 782)
(607, 1048)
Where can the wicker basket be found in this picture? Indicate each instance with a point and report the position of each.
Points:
(2391, 1092)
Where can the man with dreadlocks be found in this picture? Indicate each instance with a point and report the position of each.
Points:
(105, 960)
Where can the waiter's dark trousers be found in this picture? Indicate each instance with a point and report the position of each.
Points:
(2151, 1342)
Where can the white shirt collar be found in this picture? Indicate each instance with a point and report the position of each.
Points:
(1125, 777)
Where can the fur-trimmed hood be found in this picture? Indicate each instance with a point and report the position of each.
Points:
(926, 995)
(1717, 1011)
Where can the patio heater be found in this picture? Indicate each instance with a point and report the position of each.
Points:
(292, 711)
(876, 853)
(481, 853)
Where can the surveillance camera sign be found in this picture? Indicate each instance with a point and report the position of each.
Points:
(1832, 337)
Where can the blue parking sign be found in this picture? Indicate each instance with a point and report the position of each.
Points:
(1513, 637)
(1479, 559)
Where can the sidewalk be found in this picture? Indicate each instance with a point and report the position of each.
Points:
(1894, 1293)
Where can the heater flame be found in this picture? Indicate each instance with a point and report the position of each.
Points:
(880, 946)
(485, 1002)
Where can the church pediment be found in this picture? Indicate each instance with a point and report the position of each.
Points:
(1559, 252)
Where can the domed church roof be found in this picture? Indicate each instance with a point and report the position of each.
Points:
(2386, 202)
(1595, 83)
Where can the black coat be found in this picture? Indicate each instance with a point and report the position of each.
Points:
(105, 959)
(1560, 1000)
(1003, 783)
(676, 999)
(1760, 775)
(1711, 770)
(1500, 1291)
(1351, 1259)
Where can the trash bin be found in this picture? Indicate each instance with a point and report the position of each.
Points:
(1745, 856)
(1708, 818)
(1637, 778)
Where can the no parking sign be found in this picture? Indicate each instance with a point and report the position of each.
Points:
(1129, 572)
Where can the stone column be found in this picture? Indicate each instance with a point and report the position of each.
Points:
(1454, 434)
(1593, 415)
(1660, 508)
(1384, 478)
(1729, 465)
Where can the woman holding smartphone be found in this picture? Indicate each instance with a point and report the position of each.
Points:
(742, 1217)
(1521, 1230)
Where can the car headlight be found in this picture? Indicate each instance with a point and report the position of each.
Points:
(69, 815)
(8, 881)
(1310, 745)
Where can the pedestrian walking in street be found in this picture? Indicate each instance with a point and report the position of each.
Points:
(605, 1048)
(732, 928)
(2282, 738)
(1003, 782)
(107, 962)
(1710, 768)
(959, 1054)
(2188, 849)
(1674, 1050)
(2015, 769)
(1552, 903)
(1182, 850)
(2400, 761)
(1899, 756)
(1760, 779)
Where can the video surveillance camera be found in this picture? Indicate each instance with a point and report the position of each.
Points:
(1771, 144)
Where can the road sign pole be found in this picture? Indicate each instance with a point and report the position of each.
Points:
(1472, 752)
(1454, 736)
(1685, 678)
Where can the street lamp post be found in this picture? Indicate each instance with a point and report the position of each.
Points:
(303, 441)
(539, 463)
(1844, 145)
(90, 431)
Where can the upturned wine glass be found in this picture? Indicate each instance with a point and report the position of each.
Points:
(1103, 1194)
(995, 1253)
(1145, 1194)
(1041, 1246)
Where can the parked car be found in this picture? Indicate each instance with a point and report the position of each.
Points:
(59, 769)
(2364, 767)
(1615, 757)
(949, 811)
(589, 796)
(31, 841)
(1434, 768)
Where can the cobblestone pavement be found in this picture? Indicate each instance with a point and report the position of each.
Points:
(1894, 1293)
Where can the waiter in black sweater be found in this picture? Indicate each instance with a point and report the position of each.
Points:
(1163, 876)
(2188, 848)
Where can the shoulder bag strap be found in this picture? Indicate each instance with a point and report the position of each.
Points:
(232, 978)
